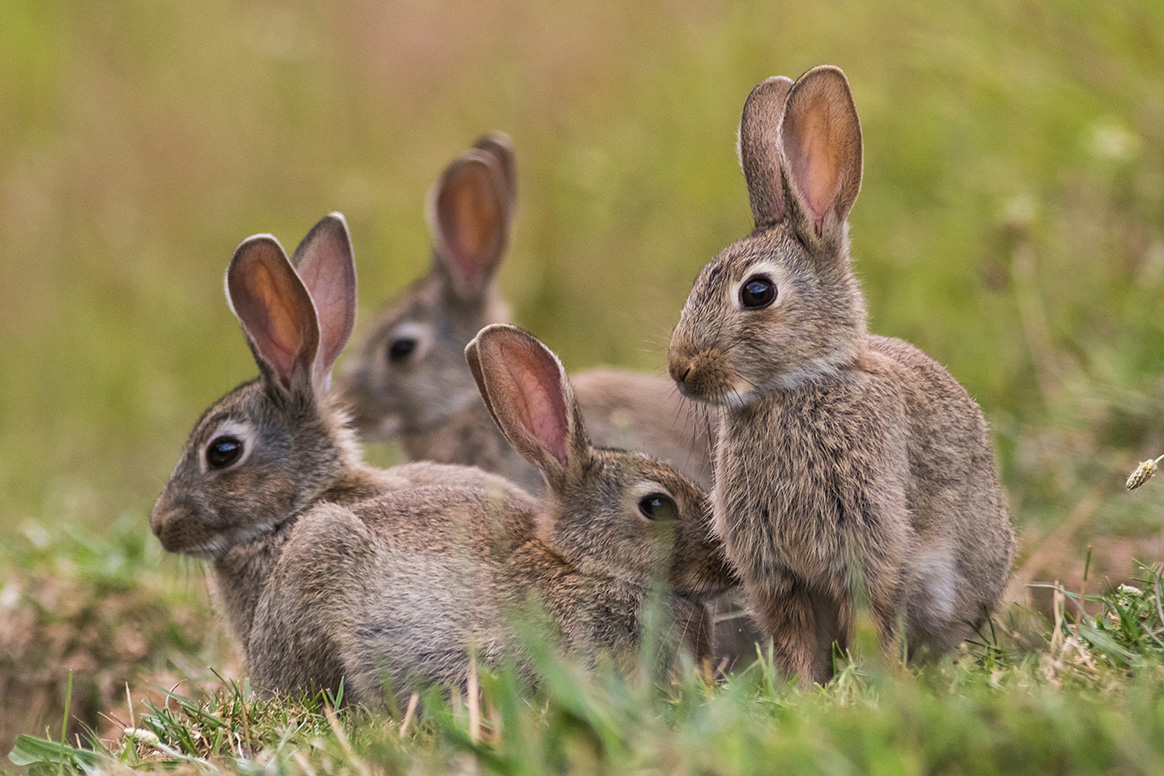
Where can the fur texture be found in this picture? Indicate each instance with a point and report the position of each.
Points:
(407, 379)
(422, 393)
(330, 570)
(847, 465)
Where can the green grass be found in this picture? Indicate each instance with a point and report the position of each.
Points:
(1011, 223)
(1077, 694)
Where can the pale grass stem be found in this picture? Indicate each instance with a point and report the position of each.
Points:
(413, 701)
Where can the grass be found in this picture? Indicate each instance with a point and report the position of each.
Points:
(1011, 223)
(1078, 693)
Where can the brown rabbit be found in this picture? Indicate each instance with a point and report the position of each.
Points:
(301, 535)
(846, 464)
(408, 377)
(274, 448)
(608, 523)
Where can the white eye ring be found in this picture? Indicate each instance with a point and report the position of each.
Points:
(775, 275)
(419, 333)
(241, 430)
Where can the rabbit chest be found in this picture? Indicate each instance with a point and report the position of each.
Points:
(807, 478)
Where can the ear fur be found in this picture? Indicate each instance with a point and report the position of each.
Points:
(527, 392)
(325, 262)
(758, 148)
(500, 146)
(468, 216)
(276, 312)
(820, 146)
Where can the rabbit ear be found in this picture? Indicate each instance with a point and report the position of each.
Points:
(500, 146)
(276, 312)
(468, 215)
(759, 150)
(326, 264)
(527, 392)
(820, 142)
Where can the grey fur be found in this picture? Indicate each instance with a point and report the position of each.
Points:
(429, 402)
(846, 464)
(330, 570)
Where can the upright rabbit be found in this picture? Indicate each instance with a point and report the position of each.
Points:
(408, 378)
(846, 463)
(319, 558)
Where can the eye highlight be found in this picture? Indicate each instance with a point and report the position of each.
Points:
(223, 451)
(757, 292)
(401, 348)
(658, 506)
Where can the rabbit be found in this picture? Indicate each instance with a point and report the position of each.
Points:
(407, 379)
(276, 447)
(271, 490)
(849, 468)
(607, 523)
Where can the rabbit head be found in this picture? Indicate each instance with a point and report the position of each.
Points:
(409, 374)
(608, 512)
(781, 306)
(273, 445)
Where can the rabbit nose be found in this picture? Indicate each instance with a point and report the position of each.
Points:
(678, 369)
(158, 519)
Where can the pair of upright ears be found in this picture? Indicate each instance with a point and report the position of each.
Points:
(297, 313)
(526, 390)
(469, 212)
(800, 150)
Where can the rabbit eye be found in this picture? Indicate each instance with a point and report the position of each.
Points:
(657, 506)
(223, 451)
(401, 348)
(757, 292)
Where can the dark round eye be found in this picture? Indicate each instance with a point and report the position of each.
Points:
(223, 451)
(400, 348)
(757, 292)
(658, 506)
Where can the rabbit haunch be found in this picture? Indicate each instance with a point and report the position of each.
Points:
(846, 464)
(331, 570)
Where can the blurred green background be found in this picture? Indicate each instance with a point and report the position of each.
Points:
(1011, 221)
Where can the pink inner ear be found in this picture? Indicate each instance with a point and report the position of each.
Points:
(330, 278)
(472, 218)
(815, 162)
(540, 408)
(278, 324)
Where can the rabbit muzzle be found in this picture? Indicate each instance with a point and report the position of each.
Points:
(179, 529)
(700, 375)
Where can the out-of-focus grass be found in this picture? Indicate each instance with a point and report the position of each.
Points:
(1011, 221)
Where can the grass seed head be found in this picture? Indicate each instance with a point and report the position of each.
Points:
(1142, 474)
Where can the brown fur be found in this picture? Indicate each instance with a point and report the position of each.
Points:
(427, 399)
(330, 570)
(847, 464)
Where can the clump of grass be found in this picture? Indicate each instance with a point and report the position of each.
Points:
(1077, 693)
(97, 606)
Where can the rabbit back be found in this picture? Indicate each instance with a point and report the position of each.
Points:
(964, 538)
